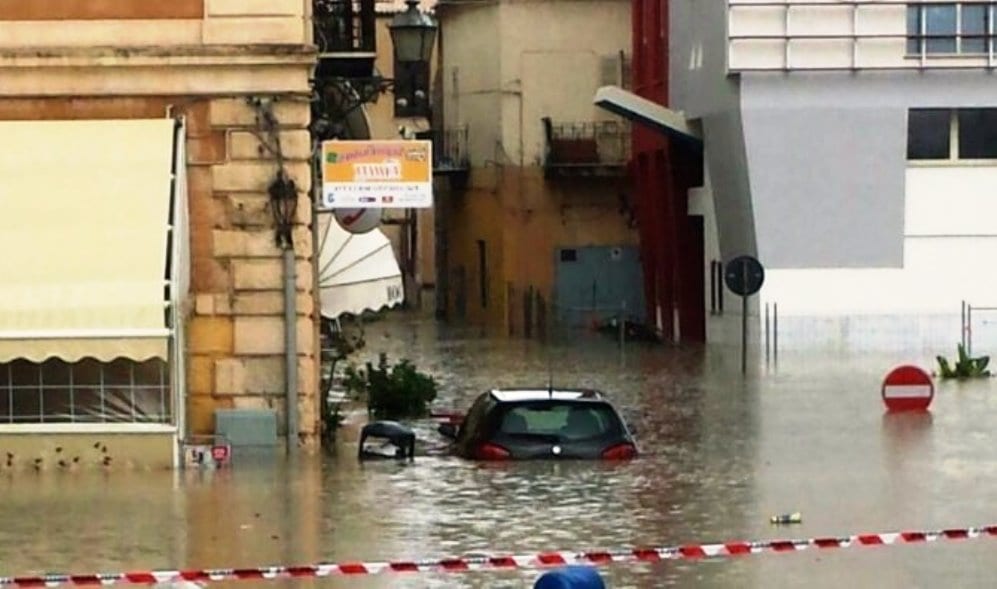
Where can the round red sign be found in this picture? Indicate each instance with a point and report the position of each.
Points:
(908, 388)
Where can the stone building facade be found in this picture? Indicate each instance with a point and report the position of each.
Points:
(213, 63)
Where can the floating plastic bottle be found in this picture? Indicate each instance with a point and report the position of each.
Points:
(787, 518)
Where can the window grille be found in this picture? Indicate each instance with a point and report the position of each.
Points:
(88, 391)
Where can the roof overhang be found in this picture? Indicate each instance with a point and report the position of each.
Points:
(646, 112)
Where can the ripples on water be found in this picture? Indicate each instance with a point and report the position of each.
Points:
(721, 454)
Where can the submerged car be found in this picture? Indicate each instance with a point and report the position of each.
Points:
(520, 424)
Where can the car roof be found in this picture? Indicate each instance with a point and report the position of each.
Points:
(544, 394)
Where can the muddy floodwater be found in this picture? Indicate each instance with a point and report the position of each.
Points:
(722, 453)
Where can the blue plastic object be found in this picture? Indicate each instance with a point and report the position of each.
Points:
(571, 577)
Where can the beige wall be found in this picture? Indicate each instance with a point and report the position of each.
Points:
(505, 66)
(82, 451)
(469, 42)
(555, 70)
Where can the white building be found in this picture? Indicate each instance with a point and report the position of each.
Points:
(852, 147)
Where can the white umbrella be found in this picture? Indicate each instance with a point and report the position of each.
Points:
(357, 272)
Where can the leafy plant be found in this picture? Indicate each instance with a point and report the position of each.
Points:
(965, 367)
(392, 391)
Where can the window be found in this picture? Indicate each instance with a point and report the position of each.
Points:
(928, 133)
(949, 28)
(560, 421)
(952, 134)
(977, 129)
(569, 255)
(88, 391)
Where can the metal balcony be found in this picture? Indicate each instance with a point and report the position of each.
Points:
(346, 37)
(597, 148)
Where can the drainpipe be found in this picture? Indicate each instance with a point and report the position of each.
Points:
(291, 349)
(442, 259)
(316, 197)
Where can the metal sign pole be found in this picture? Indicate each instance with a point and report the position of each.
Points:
(744, 322)
(744, 276)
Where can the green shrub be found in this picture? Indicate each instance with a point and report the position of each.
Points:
(965, 367)
(396, 391)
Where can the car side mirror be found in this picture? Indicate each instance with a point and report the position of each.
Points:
(448, 430)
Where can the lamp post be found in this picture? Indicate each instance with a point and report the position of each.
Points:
(413, 34)
(341, 92)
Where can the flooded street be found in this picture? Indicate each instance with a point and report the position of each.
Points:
(722, 453)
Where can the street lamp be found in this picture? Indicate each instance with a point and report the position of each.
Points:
(413, 34)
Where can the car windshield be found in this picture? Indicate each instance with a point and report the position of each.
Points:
(560, 421)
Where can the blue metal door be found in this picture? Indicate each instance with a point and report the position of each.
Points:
(592, 285)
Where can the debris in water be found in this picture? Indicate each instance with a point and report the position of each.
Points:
(787, 518)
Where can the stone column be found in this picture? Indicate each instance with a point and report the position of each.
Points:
(237, 328)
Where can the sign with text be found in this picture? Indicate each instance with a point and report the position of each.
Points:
(377, 174)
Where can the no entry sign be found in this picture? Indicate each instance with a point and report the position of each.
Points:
(908, 388)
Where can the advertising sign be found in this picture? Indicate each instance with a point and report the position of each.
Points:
(377, 174)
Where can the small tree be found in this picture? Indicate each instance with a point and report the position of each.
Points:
(396, 391)
(337, 345)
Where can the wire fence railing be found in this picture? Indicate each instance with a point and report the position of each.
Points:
(781, 329)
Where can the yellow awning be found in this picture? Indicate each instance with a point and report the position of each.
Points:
(84, 215)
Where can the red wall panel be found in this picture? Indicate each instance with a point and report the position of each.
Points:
(662, 180)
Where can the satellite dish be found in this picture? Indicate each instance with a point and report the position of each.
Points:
(358, 221)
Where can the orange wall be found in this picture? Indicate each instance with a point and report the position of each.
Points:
(523, 219)
(99, 9)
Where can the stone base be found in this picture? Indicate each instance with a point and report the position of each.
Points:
(29, 452)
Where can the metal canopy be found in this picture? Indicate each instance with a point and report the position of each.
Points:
(635, 108)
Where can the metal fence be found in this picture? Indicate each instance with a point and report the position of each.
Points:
(88, 391)
(783, 330)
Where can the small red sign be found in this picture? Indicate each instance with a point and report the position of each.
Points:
(220, 453)
(908, 388)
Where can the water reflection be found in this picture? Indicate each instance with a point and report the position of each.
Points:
(722, 454)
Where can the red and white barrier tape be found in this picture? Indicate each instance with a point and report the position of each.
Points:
(498, 563)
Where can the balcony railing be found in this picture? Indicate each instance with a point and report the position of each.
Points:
(790, 35)
(344, 26)
(450, 155)
(596, 148)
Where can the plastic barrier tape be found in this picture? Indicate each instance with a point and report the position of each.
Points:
(504, 562)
